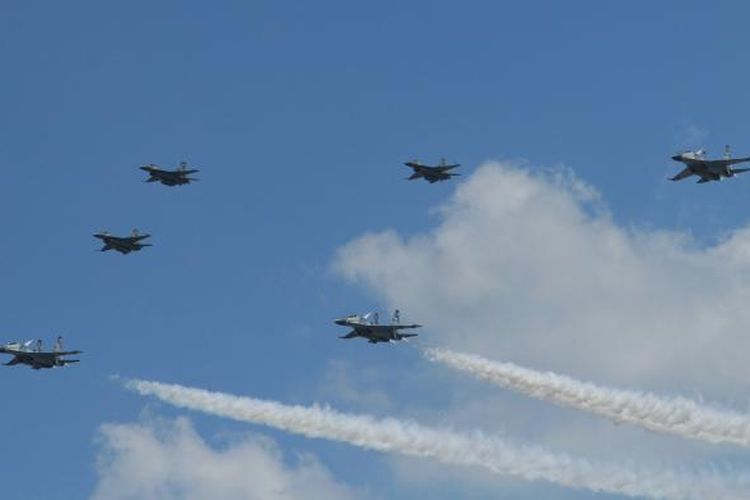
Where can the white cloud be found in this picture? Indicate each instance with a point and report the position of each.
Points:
(167, 459)
(530, 268)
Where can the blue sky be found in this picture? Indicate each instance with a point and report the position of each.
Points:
(299, 116)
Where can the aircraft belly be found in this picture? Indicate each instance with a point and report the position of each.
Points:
(383, 335)
(376, 335)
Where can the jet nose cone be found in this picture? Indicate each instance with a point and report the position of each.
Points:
(340, 321)
(677, 157)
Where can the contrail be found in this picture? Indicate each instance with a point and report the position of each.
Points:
(410, 438)
(671, 415)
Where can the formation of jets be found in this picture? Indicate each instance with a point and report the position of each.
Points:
(367, 326)
(32, 354)
(132, 243)
(696, 163)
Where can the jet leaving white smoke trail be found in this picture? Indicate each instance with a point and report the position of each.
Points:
(407, 437)
(672, 415)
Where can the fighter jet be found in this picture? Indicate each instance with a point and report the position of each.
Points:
(708, 170)
(170, 177)
(123, 244)
(367, 326)
(31, 353)
(434, 174)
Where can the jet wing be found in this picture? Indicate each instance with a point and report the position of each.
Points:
(31, 358)
(14, 361)
(445, 168)
(686, 172)
(134, 239)
(40, 355)
(734, 161)
(399, 327)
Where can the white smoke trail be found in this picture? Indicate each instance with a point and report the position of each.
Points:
(672, 415)
(407, 437)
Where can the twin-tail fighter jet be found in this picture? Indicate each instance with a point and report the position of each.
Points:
(367, 326)
(431, 174)
(708, 170)
(170, 177)
(31, 353)
(123, 244)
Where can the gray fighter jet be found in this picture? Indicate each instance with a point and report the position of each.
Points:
(367, 326)
(708, 170)
(31, 353)
(123, 244)
(431, 174)
(170, 177)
